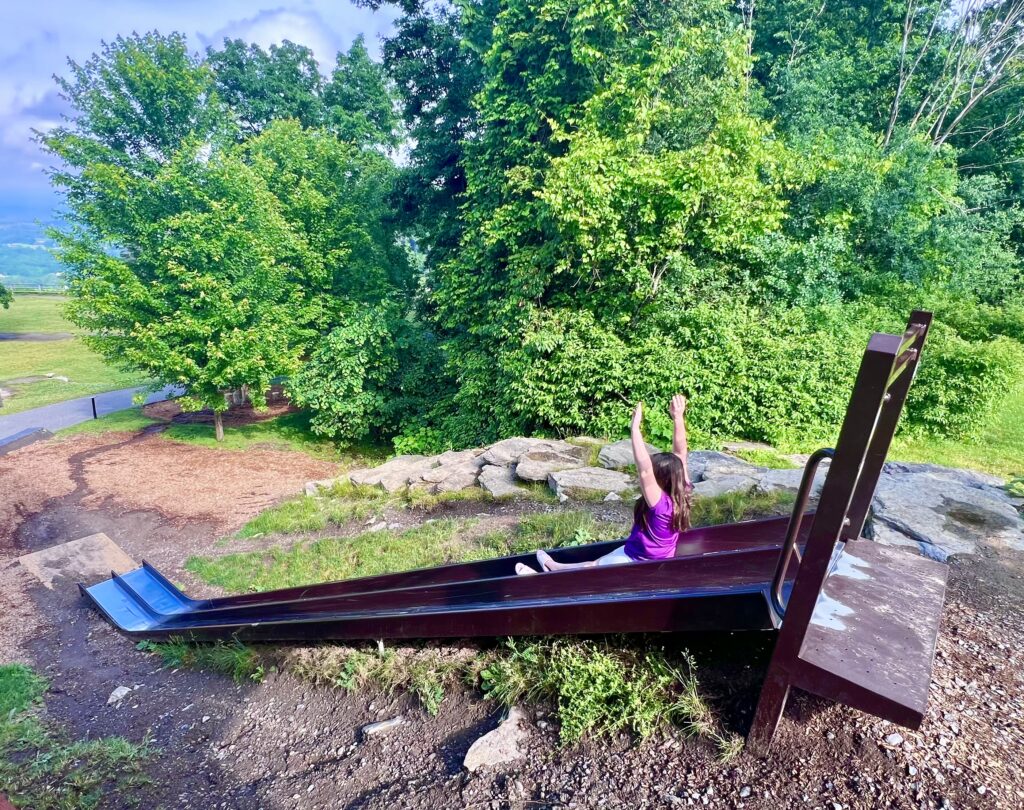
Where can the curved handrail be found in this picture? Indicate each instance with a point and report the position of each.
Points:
(793, 530)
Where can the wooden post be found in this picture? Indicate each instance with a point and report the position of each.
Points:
(94, 416)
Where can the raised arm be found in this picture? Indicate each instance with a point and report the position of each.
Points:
(677, 410)
(645, 469)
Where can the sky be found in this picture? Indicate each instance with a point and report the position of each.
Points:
(37, 38)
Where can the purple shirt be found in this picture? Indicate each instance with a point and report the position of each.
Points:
(654, 538)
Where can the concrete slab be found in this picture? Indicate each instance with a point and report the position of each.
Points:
(88, 559)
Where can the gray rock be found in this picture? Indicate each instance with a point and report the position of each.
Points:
(384, 725)
(396, 474)
(789, 480)
(500, 746)
(509, 451)
(455, 471)
(732, 447)
(316, 487)
(537, 465)
(613, 496)
(711, 464)
(713, 487)
(968, 478)
(585, 482)
(500, 481)
(944, 513)
(118, 695)
(619, 455)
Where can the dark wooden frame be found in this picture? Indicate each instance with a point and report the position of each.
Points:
(879, 394)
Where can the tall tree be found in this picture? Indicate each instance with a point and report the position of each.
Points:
(261, 86)
(359, 102)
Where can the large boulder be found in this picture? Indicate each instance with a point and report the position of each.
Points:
(500, 746)
(943, 511)
(713, 487)
(708, 464)
(772, 481)
(537, 465)
(586, 483)
(619, 455)
(509, 451)
(456, 470)
(499, 481)
(396, 474)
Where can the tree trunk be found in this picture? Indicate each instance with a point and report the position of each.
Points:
(218, 425)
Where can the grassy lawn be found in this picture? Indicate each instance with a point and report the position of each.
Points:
(998, 448)
(35, 313)
(41, 769)
(87, 374)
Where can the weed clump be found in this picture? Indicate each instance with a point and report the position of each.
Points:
(603, 688)
(41, 769)
(241, 662)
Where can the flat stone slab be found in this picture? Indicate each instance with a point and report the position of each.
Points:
(588, 482)
(88, 559)
(944, 512)
(500, 481)
(619, 455)
(537, 465)
(713, 487)
(511, 451)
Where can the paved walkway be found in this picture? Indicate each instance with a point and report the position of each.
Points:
(72, 411)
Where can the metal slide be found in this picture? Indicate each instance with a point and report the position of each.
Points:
(721, 579)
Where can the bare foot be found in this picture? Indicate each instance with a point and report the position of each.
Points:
(545, 560)
(525, 570)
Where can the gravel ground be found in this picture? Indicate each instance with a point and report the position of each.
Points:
(286, 744)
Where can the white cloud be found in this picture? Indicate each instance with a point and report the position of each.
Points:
(38, 38)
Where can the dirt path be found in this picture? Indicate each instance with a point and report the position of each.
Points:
(286, 744)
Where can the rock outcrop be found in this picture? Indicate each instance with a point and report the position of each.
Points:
(619, 455)
(589, 483)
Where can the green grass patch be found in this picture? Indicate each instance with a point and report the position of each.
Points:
(36, 313)
(87, 373)
(41, 769)
(344, 502)
(127, 421)
(997, 448)
(604, 687)
(732, 507)
(232, 658)
(765, 457)
(434, 543)
(428, 673)
(290, 431)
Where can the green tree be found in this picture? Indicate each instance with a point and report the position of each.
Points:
(204, 291)
(5, 297)
(263, 86)
(360, 105)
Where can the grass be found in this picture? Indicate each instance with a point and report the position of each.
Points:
(436, 542)
(998, 448)
(232, 658)
(289, 431)
(128, 420)
(41, 769)
(35, 313)
(766, 457)
(732, 507)
(86, 372)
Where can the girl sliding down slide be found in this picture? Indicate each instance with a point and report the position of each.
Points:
(662, 511)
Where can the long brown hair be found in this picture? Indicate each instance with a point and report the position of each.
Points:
(668, 472)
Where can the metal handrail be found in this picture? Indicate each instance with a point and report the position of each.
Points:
(793, 530)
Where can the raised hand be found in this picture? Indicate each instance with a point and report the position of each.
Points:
(638, 416)
(677, 408)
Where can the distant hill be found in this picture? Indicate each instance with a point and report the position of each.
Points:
(26, 256)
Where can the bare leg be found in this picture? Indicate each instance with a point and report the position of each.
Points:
(525, 570)
(547, 564)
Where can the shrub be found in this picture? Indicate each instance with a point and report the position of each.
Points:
(960, 381)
